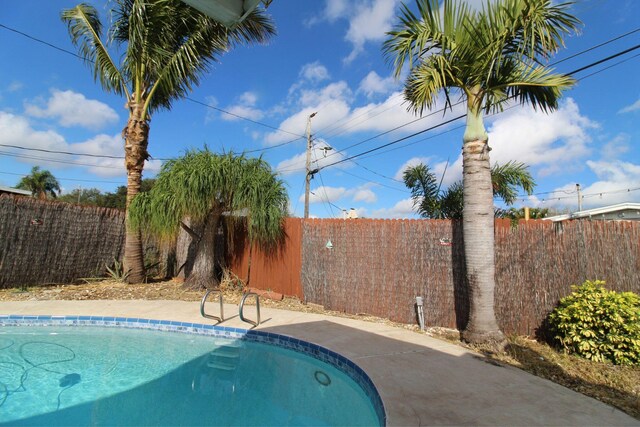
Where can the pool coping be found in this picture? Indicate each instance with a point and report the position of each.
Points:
(338, 361)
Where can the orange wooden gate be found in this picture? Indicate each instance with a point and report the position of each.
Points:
(276, 270)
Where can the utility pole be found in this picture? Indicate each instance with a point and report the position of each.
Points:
(579, 197)
(308, 168)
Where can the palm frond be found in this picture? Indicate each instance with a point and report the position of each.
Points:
(508, 177)
(201, 184)
(197, 42)
(85, 30)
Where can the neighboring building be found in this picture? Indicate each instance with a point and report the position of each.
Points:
(619, 212)
(9, 190)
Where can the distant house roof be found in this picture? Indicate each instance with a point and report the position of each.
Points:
(622, 211)
(11, 190)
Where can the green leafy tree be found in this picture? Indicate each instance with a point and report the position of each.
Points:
(41, 183)
(166, 46)
(517, 214)
(430, 202)
(83, 196)
(210, 189)
(94, 197)
(487, 57)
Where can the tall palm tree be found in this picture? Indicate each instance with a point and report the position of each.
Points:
(430, 202)
(41, 183)
(487, 57)
(208, 189)
(167, 47)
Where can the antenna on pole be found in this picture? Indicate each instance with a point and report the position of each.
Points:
(579, 197)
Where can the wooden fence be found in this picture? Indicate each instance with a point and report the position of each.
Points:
(43, 242)
(378, 267)
(276, 270)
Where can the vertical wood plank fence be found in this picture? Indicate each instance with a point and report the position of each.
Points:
(277, 270)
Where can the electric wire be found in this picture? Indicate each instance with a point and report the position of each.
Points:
(350, 158)
(301, 136)
(187, 98)
(593, 64)
(324, 187)
(550, 65)
(69, 179)
(48, 159)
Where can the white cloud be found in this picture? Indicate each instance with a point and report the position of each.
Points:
(16, 130)
(331, 103)
(324, 194)
(242, 111)
(373, 84)
(15, 86)
(365, 195)
(554, 142)
(248, 98)
(314, 72)
(74, 109)
(210, 113)
(402, 209)
(414, 161)
(335, 116)
(244, 108)
(336, 9)
(614, 180)
(369, 21)
(629, 108)
(616, 147)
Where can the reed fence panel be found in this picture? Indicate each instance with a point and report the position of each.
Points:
(378, 267)
(46, 242)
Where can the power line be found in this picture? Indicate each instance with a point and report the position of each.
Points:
(453, 105)
(187, 98)
(68, 179)
(105, 156)
(593, 64)
(589, 195)
(595, 47)
(45, 159)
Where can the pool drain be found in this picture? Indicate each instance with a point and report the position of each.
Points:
(322, 378)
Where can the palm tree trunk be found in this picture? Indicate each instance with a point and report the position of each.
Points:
(136, 139)
(478, 232)
(203, 273)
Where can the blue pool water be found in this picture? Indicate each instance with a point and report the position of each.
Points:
(113, 376)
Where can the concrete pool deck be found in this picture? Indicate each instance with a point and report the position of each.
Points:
(422, 380)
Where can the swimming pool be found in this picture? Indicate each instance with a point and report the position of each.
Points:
(52, 373)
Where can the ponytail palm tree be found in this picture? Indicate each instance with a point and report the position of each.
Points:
(430, 202)
(210, 188)
(166, 47)
(41, 183)
(488, 57)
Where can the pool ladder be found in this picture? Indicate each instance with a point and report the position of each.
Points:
(220, 318)
(224, 357)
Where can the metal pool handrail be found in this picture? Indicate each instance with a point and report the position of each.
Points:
(244, 297)
(210, 316)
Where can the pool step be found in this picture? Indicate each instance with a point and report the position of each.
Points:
(225, 356)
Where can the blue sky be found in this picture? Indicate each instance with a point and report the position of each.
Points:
(326, 58)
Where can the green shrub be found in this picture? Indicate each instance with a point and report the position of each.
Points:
(599, 324)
